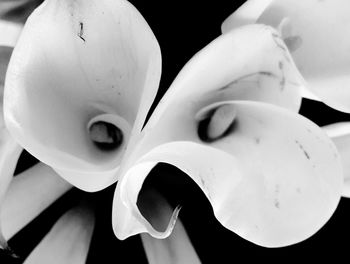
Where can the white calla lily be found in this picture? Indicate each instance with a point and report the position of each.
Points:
(271, 176)
(82, 77)
(314, 34)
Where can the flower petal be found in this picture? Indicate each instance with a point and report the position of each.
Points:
(319, 48)
(9, 149)
(246, 14)
(5, 55)
(177, 248)
(233, 67)
(28, 195)
(68, 241)
(78, 62)
(340, 134)
(273, 177)
(9, 154)
(231, 149)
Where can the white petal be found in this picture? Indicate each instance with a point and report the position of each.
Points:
(9, 154)
(319, 48)
(175, 249)
(75, 62)
(274, 179)
(337, 129)
(265, 175)
(68, 241)
(29, 194)
(234, 67)
(5, 55)
(340, 134)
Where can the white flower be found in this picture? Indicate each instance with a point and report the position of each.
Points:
(80, 71)
(80, 82)
(271, 176)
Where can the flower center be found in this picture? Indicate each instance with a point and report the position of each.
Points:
(105, 136)
(217, 123)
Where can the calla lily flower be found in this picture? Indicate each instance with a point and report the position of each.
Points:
(28, 194)
(80, 82)
(313, 32)
(271, 176)
(81, 79)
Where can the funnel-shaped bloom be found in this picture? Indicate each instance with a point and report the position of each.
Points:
(314, 32)
(81, 79)
(271, 176)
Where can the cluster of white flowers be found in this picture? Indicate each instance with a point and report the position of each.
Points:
(82, 75)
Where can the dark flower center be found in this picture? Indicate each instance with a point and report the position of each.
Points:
(105, 136)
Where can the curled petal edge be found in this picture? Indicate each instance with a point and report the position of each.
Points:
(273, 228)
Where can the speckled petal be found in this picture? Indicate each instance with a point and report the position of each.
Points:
(78, 61)
(68, 241)
(274, 179)
(272, 176)
(313, 31)
(30, 193)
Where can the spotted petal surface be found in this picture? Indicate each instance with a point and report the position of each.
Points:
(271, 176)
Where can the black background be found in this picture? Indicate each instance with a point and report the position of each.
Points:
(182, 29)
